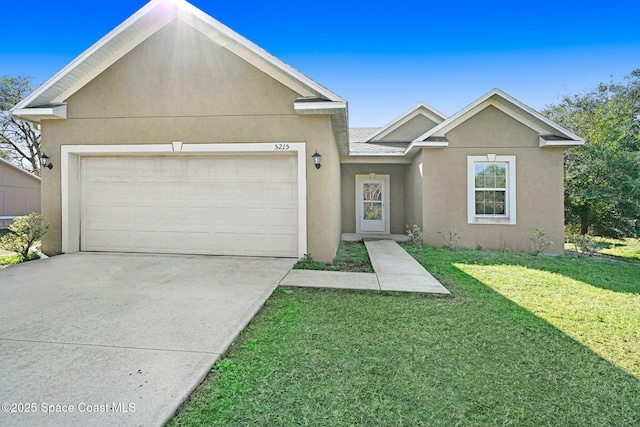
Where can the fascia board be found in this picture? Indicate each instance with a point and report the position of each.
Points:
(415, 146)
(35, 115)
(559, 143)
(321, 107)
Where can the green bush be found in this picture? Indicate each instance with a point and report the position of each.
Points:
(24, 231)
(541, 241)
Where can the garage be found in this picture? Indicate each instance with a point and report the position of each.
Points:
(223, 204)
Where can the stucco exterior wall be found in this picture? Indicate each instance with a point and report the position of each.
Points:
(396, 193)
(413, 192)
(180, 86)
(410, 130)
(19, 193)
(539, 184)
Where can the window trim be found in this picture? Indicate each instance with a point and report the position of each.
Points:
(509, 217)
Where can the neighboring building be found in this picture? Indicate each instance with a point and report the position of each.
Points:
(19, 193)
(175, 134)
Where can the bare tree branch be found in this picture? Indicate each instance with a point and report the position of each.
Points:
(18, 140)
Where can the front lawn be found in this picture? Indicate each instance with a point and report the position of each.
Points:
(524, 341)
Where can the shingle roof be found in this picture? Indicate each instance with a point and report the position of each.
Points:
(358, 134)
(378, 147)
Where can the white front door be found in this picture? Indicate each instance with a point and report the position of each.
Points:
(372, 204)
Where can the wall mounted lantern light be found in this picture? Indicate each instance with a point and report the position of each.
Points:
(44, 161)
(316, 159)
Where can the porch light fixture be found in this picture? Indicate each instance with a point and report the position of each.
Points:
(44, 161)
(316, 159)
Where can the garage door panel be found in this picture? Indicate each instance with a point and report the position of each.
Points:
(227, 205)
(119, 240)
(226, 191)
(254, 217)
(226, 216)
(283, 243)
(283, 193)
(282, 218)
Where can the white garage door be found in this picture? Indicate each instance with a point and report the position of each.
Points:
(218, 205)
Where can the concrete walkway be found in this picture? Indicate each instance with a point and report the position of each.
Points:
(395, 270)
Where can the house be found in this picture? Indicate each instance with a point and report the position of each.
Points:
(19, 193)
(174, 134)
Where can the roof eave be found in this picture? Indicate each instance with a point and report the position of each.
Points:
(338, 111)
(37, 114)
(548, 142)
(414, 147)
(319, 107)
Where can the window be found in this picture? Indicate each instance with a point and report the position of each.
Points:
(491, 189)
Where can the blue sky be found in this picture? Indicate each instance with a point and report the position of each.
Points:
(382, 57)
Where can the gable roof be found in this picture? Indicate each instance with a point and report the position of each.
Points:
(421, 109)
(551, 134)
(7, 164)
(48, 100)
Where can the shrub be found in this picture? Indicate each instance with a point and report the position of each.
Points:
(585, 244)
(24, 231)
(416, 235)
(541, 241)
(450, 237)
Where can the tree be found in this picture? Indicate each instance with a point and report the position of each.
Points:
(18, 140)
(24, 231)
(602, 178)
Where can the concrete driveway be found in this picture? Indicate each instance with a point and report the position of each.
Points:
(119, 339)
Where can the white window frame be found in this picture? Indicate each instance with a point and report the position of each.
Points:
(509, 218)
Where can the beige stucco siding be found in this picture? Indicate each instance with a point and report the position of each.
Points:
(396, 194)
(19, 193)
(180, 86)
(410, 130)
(539, 184)
(180, 72)
(492, 128)
(413, 192)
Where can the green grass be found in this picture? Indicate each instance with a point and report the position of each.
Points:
(524, 341)
(351, 256)
(622, 249)
(627, 249)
